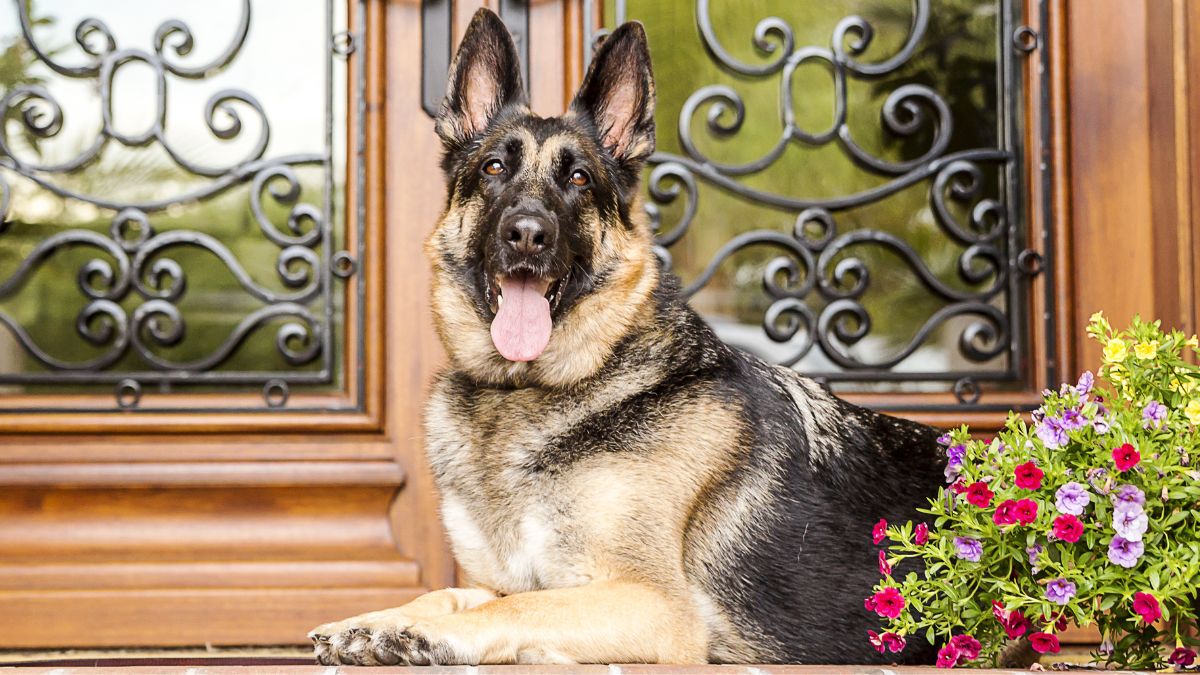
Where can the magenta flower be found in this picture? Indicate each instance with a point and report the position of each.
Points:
(1025, 511)
(879, 532)
(1182, 657)
(888, 603)
(921, 534)
(1014, 622)
(885, 568)
(1028, 476)
(1068, 528)
(947, 657)
(1006, 513)
(1146, 606)
(979, 495)
(967, 646)
(1125, 553)
(968, 549)
(1126, 457)
(1060, 591)
(1044, 643)
(893, 642)
(1072, 498)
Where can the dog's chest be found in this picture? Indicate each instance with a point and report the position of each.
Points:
(512, 547)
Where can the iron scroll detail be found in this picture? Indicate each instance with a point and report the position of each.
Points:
(135, 283)
(816, 284)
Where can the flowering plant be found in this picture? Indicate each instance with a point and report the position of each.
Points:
(1087, 513)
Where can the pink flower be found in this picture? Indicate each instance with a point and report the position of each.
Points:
(1014, 622)
(1044, 643)
(1068, 528)
(979, 495)
(967, 646)
(875, 640)
(1182, 656)
(1025, 511)
(1029, 476)
(869, 603)
(879, 532)
(1005, 513)
(1126, 457)
(947, 657)
(893, 642)
(921, 534)
(1146, 606)
(888, 603)
(884, 567)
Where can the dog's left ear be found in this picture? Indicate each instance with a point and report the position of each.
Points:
(618, 95)
(484, 78)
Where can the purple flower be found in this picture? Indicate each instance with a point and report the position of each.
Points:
(1128, 496)
(1072, 420)
(1131, 522)
(944, 439)
(954, 460)
(1060, 591)
(1124, 552)
(1072, 498)
(1033, 552)
(1154, 415)
(1084, 386)
(968, 549)
(1101, 424)
(1052, 433)
(955, 454)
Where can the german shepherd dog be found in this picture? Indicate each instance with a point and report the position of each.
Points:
(618, 484)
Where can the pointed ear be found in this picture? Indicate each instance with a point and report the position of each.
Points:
(618, 94)
(485, 76)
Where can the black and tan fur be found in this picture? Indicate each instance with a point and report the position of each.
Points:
(640, 492)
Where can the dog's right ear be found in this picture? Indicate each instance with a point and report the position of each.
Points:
(485, 77)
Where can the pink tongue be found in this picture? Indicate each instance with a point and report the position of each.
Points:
(521, 329)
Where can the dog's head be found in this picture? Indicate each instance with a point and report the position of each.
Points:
(542, 262)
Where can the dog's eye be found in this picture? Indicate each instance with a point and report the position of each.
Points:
(493, 167)
(579, 178)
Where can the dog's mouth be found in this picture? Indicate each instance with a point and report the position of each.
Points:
(522, 305)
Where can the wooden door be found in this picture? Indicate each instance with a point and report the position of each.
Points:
(145, 500)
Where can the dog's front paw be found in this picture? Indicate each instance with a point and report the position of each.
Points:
(379, 643)
(354, 640)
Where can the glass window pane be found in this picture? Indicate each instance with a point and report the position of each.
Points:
(172, 178)
(845, 173)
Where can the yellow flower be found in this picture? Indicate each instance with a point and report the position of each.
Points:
(1098, 319)
(1146, 350)
(1193, 342)
(1114, 351)
(1193, 412)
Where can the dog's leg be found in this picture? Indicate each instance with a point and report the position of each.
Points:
(607, 622)
(350, 641)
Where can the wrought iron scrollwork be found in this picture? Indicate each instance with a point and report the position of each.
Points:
(134, 286)
(816, 285)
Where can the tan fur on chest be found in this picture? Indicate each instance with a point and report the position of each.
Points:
(608, 515)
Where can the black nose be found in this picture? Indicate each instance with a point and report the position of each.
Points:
(528, 235)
